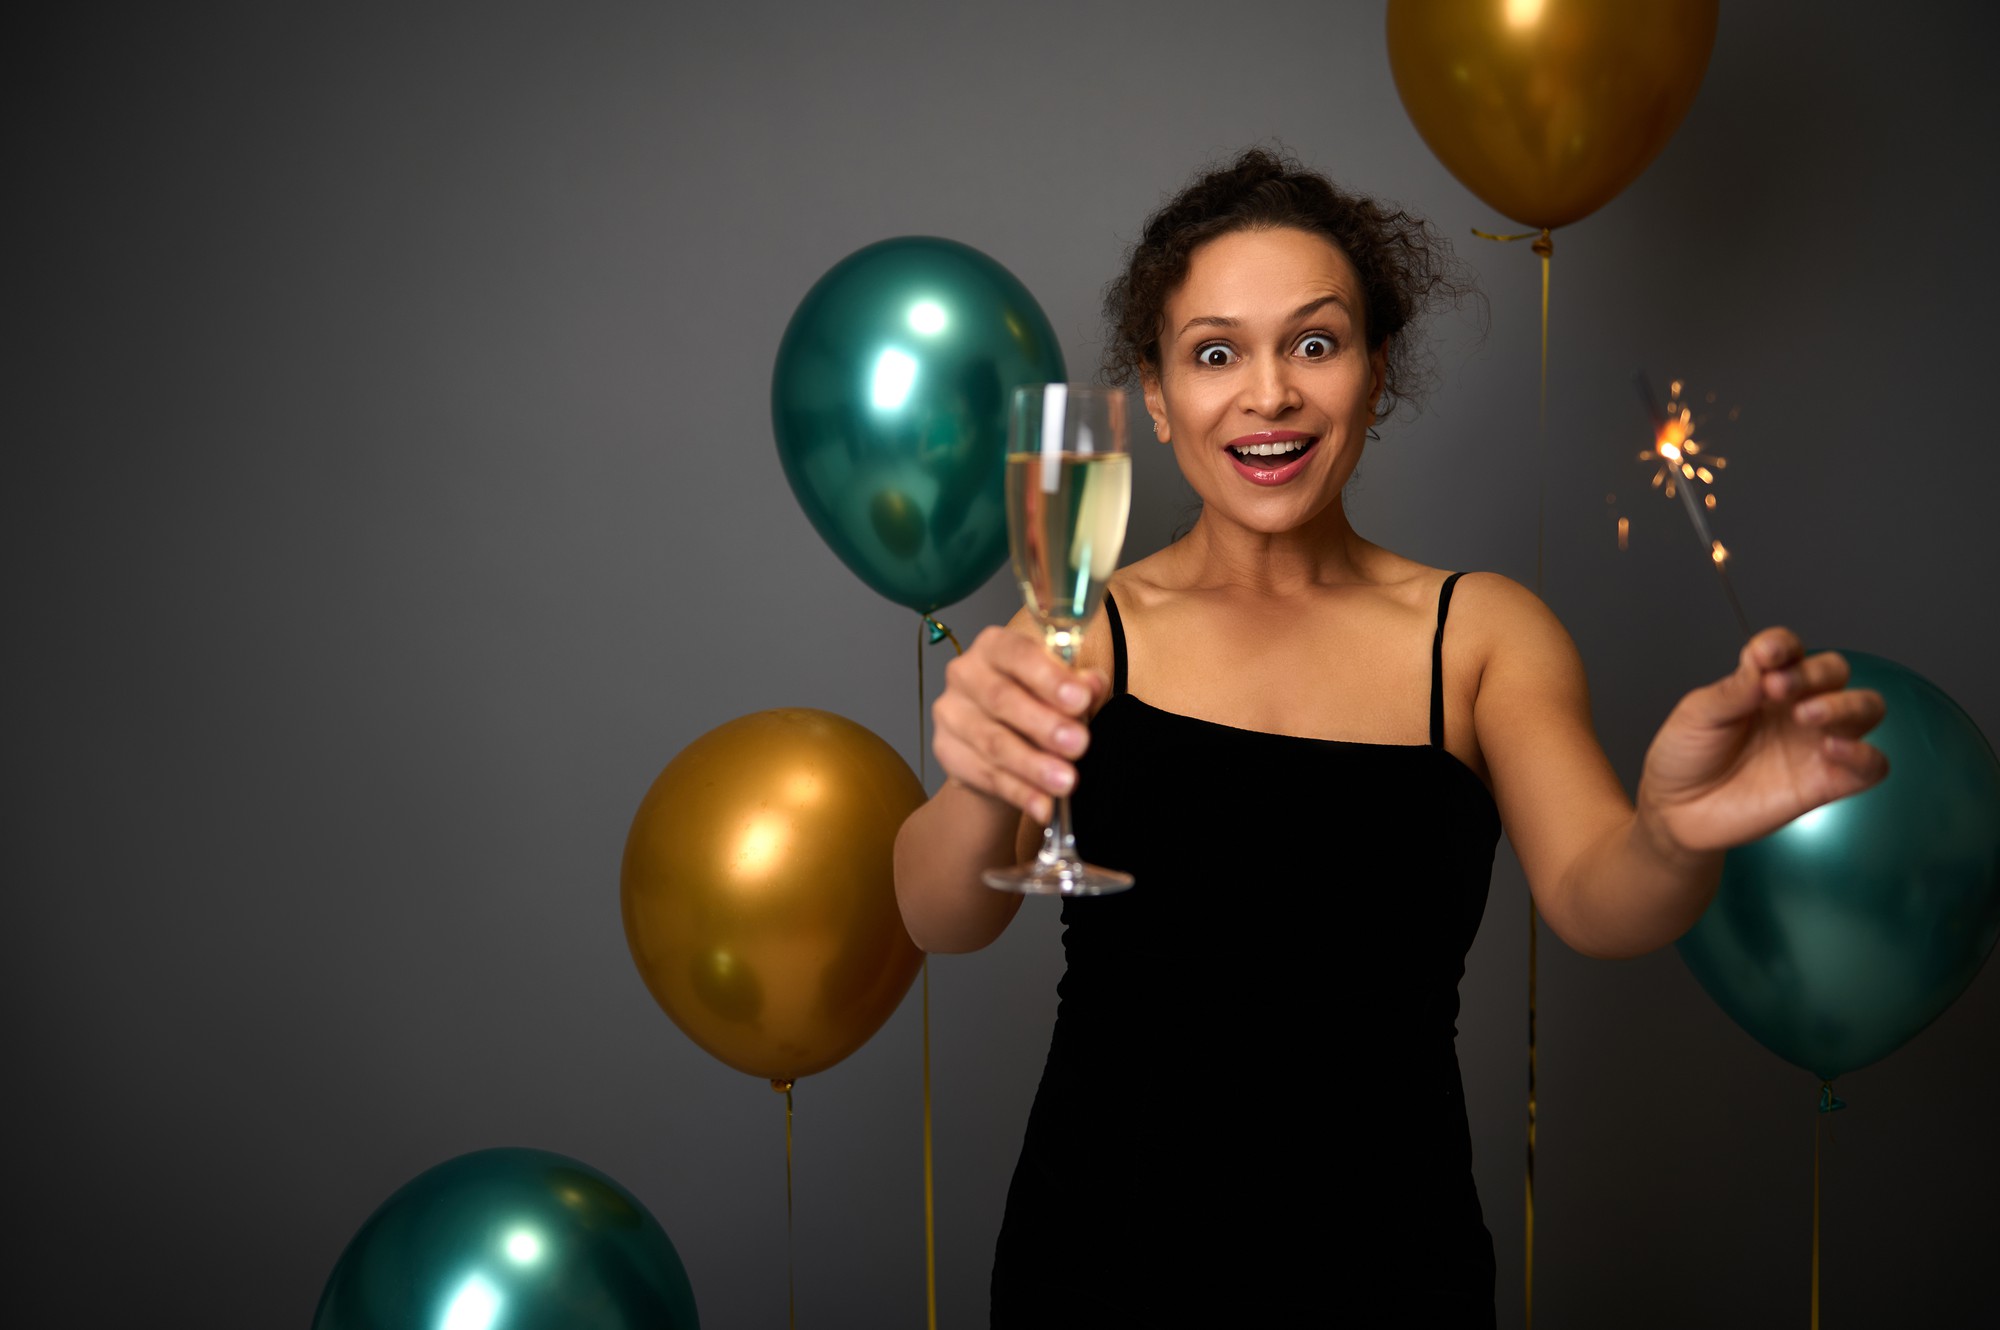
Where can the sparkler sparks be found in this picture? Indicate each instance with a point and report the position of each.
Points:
(1683, 466)
(1675, 447)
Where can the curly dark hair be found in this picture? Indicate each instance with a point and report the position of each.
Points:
(1405, 267)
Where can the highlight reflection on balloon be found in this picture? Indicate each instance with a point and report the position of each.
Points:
(505, 1238)
(759, 894)
(1837, 938)
(1546, 109)
(889, 405)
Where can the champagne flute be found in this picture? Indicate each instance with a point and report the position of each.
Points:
(1069, 488)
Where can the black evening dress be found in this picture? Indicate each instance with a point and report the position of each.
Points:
(1251, 1111)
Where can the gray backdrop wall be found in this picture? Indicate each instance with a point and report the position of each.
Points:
(391, 494)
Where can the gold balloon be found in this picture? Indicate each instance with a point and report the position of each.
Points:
(759, 894)
(1546, 109)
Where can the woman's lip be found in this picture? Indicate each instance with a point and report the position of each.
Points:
(1270, 475)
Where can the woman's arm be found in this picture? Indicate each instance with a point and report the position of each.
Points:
(1009, 727)
(1734, 761)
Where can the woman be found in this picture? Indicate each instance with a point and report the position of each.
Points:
(1305, 747)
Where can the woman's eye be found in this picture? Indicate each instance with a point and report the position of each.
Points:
(1315, 346)
(1215, 354)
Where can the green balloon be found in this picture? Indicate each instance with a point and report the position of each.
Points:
(509, 1239)
(889, 402)
(1838, 937)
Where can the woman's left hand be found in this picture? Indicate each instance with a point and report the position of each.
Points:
(1742, 757)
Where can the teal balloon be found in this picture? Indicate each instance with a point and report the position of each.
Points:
(509, 1239)
(889, 402)
(1837, 938)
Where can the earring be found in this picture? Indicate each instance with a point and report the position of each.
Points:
(1157, 427)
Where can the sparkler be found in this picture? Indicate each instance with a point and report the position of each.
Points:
(1675, 450)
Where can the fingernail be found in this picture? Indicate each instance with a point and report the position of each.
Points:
(1073, 694)
(1059, 779)
(1812, 713)
(1070, 739)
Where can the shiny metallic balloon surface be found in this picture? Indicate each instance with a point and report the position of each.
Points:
(889, 403)
(509, 1239)
(1837, 938)
(1546, 109)
(759, 895)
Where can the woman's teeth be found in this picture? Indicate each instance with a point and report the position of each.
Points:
(1272, 449)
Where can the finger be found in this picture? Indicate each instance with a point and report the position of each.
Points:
(1029, 664)
(1849, 714)
(971, 769)
(1774, 649)
(1852, 765)
(1002, 748)
(1003, 699)
(1731, 698)
(1823, 673)
(975, 703)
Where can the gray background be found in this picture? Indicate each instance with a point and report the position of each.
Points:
(390, 494)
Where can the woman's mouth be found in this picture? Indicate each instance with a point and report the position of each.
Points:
(1271, 459)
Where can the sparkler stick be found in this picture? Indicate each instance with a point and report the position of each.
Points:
(1672, 443)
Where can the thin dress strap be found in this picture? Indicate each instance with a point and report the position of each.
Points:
(1437, 663)
(1117, 645)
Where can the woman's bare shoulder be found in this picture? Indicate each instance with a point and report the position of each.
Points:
(1495, 618)
(1497, 603)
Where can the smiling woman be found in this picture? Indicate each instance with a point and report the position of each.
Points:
(1304, 748)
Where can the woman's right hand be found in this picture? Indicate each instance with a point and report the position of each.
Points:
(1010, 723)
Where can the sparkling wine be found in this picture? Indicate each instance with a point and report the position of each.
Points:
(1066, 523)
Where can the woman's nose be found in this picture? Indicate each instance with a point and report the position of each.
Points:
(1268, 389)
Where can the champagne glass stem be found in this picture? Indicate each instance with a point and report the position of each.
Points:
(1058, 841)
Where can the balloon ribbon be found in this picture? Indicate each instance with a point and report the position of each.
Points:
(1545, 246)
(1828, 1103)
(929, 632)
(1528, 1239)
(791, 1273)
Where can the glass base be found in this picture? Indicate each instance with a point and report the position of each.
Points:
(1057, 877)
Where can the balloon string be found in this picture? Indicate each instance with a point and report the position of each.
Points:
(1528, 1234)
(923, 767)
(1545, 247)
(791, 1268)
(1817, 1119)
(930, 1225)
(929, 633)
(1828, 1103)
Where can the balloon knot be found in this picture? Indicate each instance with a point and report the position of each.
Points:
(1544, 245)
(1828, 1101)
(781, 1086)
(940, 633)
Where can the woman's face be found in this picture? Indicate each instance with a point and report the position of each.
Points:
(1266, 388)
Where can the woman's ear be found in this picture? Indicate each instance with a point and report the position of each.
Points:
(1378, 379)
(1156, 406)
